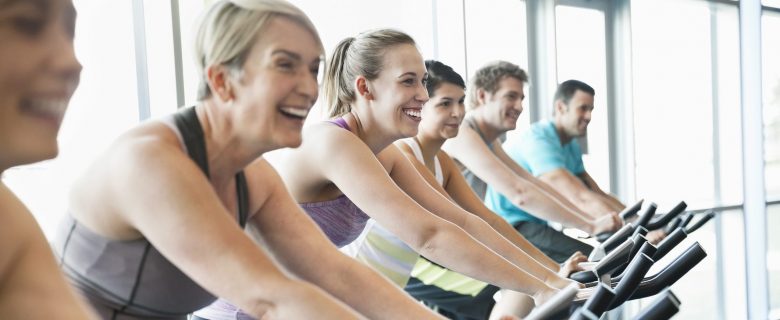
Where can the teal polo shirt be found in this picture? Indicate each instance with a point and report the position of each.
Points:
(539, 151)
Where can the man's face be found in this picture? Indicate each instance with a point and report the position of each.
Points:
(575, 116)
(505, 105)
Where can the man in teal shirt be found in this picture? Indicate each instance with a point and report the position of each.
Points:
(549, 151)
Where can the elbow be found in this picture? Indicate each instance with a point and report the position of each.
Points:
(428, 240)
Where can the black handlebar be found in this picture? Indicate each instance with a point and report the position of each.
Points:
(662, 308)
(631, 211)
(665, 219)
(707, 216)
(671, 273)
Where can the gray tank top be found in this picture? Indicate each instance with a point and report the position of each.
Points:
(130, 279)
(479, 186)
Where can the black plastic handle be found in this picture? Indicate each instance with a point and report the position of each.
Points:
(631, 211)
(609, 263)
(671, 273)
(633, 276)
(619, 237)
(599, 300)
(686, 220)
(674, 224)
(645, 217)
(663, 220)
(662, 308)
(669, 243)
(707, 216)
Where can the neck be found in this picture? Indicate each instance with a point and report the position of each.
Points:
(370, 132)
(227, 152)
(565, 138)
(429, 146)
(489, 131)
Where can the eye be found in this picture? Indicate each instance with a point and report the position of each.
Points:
(286, 65)
(446, 103)
(30, 26)
(408, 81)
(425, 81)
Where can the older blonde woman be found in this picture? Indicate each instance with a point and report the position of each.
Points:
(154, 227)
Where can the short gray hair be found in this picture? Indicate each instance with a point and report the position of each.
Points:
(488, 77)
(229, 28)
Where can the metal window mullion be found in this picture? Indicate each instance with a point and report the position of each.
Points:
(620, 107)
(753, 159)
(542, 67)
(719, 262)
(141, 66)
(177, 55)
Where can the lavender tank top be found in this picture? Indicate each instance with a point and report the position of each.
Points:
(340, 219)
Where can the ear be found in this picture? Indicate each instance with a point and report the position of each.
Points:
(481, 96)
(363, 88)
(560, 107)
(219, 81)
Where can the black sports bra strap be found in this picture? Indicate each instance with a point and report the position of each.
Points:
(242, 190)
(188, 124)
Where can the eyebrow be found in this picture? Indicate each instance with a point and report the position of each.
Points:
(40, 4)
(295, 56)
(412, 73)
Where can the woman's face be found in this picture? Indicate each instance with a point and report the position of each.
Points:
(38, 74)
(278, 85)
(443, 113)
(398, 93)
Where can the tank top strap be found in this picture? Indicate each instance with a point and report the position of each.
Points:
(418, 154)
(340, 122)
(191, 133)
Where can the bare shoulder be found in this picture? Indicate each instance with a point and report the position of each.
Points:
(17, 228)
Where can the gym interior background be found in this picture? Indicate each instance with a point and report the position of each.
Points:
(687, 105)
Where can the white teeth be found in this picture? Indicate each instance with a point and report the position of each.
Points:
(413, 113)
(55, 107)
(296, 111)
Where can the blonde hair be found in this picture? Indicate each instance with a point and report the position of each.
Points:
(229, 28)
(353, 57)
(488, 77)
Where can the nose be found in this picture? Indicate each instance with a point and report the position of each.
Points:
(308, 85)
(63, 56)
(421, 94)
(459, 111)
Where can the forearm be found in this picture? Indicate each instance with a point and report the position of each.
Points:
(483, 232)
(537, 202)
(593, 203)
(473, 259)
(506, 230)
(368, 292)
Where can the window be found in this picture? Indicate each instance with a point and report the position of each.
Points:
(771, 89)
(497, 32)
(673, 102)
(581, 56)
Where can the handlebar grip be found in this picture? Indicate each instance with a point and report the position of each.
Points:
(709, 215)
(663, 220)
(631, 211)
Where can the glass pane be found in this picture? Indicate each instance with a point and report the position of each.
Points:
(673, 102)
(104, 105)
(771, 88)
(771, 3)
(354, 16)
(581, 55)
(189, 11)
(159, 57)
(773, 254)
(496, 32)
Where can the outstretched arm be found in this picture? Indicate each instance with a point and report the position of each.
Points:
(575, 190)
(409, 179)
(355, 170)
(469, 149)
(613, 202)
(299, 244)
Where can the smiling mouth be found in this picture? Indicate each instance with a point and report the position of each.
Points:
(415, 114)
(51, 109)
(295, 113)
